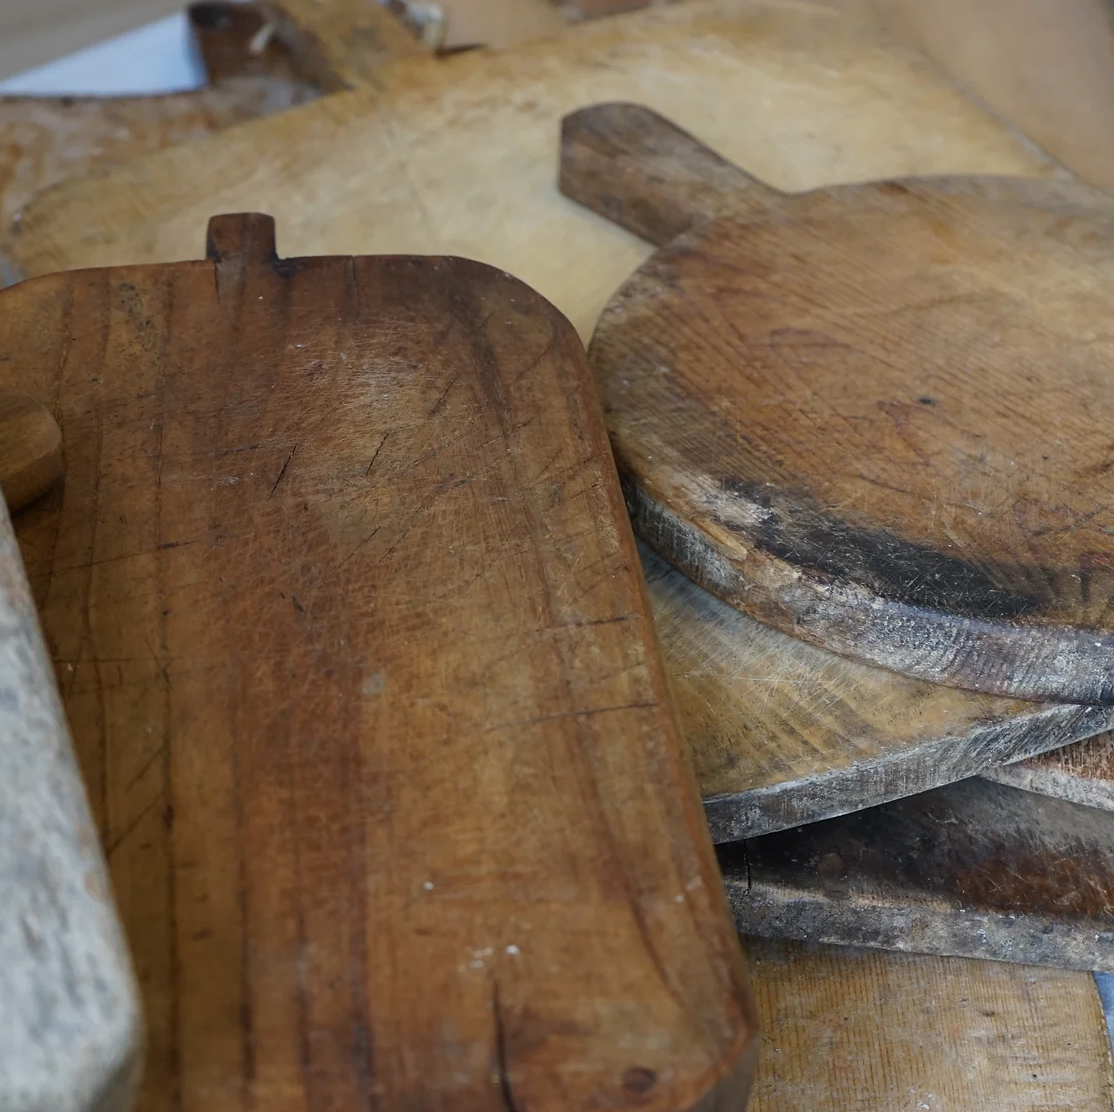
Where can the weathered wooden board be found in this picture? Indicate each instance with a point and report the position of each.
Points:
(872, 416)
(784, 733)
(876, 1032)
(359, 664)
(48, 139)
(71, 1031)
(1082, 773)
(460, 156)
(975, 869)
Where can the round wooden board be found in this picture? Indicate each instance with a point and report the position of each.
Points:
(876, 416)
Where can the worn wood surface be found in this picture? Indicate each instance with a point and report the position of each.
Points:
(71, 1032)
(872, 416)
(875, 1032)
(342, 43)
(45, 140)
(30, 449)
(360, 667)
(369, 168)
(1082, 773)
(784, 733)
(976, 869)
(460, 155)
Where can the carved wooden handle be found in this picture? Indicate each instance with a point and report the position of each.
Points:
(645, 174)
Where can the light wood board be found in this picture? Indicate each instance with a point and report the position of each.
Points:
(1049, 68)
(874, 1032)
(49, 139)
(460, 156)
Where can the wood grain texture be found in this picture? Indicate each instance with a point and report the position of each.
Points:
(362, 674)
(975, 869)
(30, 449)
(370, 170)
(46, 140)
(875, 1032)
(342, 43)
(1082, 773)
(872, 416)
(784, 733)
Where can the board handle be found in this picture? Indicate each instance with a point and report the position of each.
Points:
(642, 172)
(30, 449)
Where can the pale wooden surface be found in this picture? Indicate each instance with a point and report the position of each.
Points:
(1048, 67)
(866, 1031)
(71, 1032)
(49, 139)
(460, 156)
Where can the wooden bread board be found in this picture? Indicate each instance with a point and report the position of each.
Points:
(871, 415)
(356, 653)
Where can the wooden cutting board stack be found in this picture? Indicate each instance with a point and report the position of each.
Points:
(827, 641)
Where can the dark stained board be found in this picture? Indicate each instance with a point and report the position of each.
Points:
(351, 636)
(783, 732)
(873, 416)
(976, 869)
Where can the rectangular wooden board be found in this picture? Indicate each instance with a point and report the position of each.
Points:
(353, 643)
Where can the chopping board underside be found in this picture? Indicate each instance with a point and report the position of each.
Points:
(975, 869)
